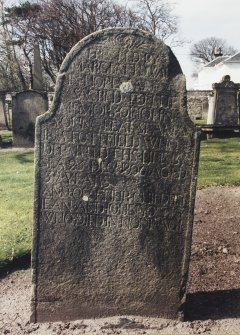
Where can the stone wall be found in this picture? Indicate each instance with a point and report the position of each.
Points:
(198, 104)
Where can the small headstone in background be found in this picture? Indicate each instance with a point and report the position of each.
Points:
(26, 106)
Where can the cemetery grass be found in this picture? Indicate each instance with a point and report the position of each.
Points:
(219, 162)
(16, 194)
(199, 122)
(219, 165)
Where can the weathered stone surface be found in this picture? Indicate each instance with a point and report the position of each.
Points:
(197, 104)
(27, 105)
(224, 110)
(116, 165)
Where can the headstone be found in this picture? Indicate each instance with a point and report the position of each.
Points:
(224, 110)
(197, 104)
(116, 165)
(37, 70)
(27, 105)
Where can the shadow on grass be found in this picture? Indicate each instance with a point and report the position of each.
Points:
(213, 305)
(25, 157)
(223, 145)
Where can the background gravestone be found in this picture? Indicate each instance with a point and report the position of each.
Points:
(224, 109)
(116, 164)
(27, 105)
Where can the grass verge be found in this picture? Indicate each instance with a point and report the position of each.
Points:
(16, 197)
(219, 162)
(200, 122)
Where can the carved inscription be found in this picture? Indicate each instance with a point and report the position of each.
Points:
(105, 130)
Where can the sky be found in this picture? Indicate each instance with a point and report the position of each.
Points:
(205, 18)
(201, 19)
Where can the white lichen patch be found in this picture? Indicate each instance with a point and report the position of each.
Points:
(126, 87)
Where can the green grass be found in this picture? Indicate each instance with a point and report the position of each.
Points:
(199, 122)
(16, 194)
(219, 162)
(6, 136)
(219, 165)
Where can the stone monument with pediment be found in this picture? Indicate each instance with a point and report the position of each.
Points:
(116, 169)
(224, 109)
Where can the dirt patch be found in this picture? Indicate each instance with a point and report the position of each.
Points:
(213, 303)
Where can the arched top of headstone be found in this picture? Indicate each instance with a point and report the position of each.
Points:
(144, 62)
(30, 92)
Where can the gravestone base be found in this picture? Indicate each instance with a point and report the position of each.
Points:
(23, 141)
(52, 312)
(211, 131)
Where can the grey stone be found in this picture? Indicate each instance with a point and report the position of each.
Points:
(116, 167)
(224, 110)
(37, 70)
(211, 107)
(197, 104)
(26, 106)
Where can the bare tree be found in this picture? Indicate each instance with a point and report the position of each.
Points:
(62, 23)
(12, 73)
(157, 16)
(57, 25)
(16, 23)
(202, 52)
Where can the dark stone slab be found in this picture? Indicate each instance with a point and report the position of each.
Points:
(224, 110)
(27, 105)
(37, 83)
(116, 167)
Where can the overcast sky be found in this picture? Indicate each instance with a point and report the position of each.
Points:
(205, 18)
